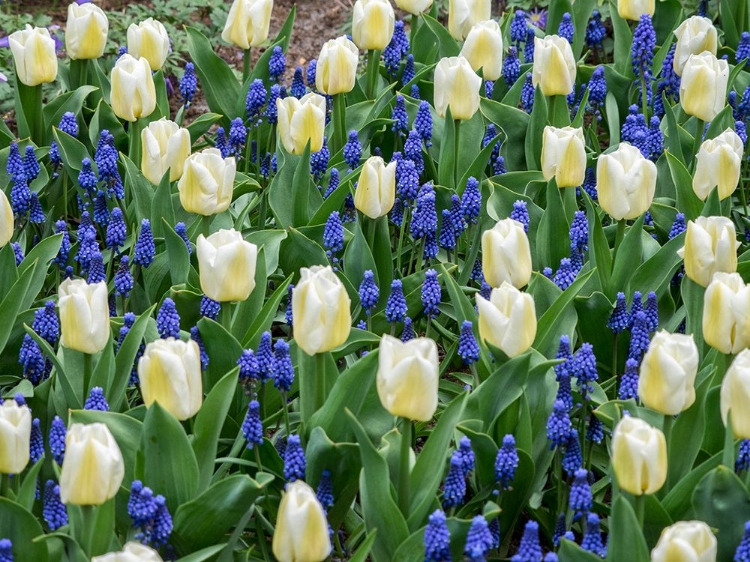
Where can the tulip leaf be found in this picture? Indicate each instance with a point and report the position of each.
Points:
(656, 273)
(692, 296)
(247, 310)
(535, 130)
(626, 537)
(514, 123)
(72, 399)
(201, 125)
(677, 503)
(571, 552)
(687, 201)
(264, 319)
(141, 189)
(21, 528)
(222, 348)
(69, 101)
(357, 256)
(105, 119)
(623, 41)
(364, 549)
(177, 253)
(208, 553)
(447, 45)
(514, 499)
(162, 208)
(600, 254)
(11, 304)
(27, 493)
(582, 10)
(298, 251)
(124, 361)
(552, 240)
(627, 257)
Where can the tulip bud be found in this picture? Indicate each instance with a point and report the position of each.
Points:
(372, 24)
(554, 69)
(247, 23)
(564, 156)
(694, 35)
(336, 70)
(93, 469)
(149, 40)
(686, 541)
(84, 315)
(626, 182)
(457, 86)
(227, 266)
(15, 436)
(414, 7)
(507, 320)
(639, 456)
(320, 308)
(301, 533)
(408, 377)
(726, 313)
(86, 32)
(484, 49)
(667, 378)
(207, 182)
(166, 146)
(710, 246)
(34, 55)
(703, 88)
(735, 392)
(376, 190)
(634, 9)
(506, 255)
(463, 14)
(6, 219)
(131, 552)
(170, 374)
(302, 121)
(133, 93)
(718, 165)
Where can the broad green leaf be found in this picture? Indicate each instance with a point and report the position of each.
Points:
(626, 538)
(21, 528)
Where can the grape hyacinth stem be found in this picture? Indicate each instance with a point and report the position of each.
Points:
(403, 474)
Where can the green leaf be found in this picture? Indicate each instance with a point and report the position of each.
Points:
(21, 528)
(623, 41)
(162, 208)
(626, 537)
(140, 188)
(447, 45)
(203, 554)
(514, 123)
(687, 200)
(125, 359)
(222, 348)
(11, 304)
(687, 436)
(600, 255)
(265, 317)
(27, 493)
(201, 125)
(298, 251)
(177, 253)
(552, 240)
(672, 142)
(533, 141)
(73, 399)
(656, 273)
(364, 549)
(677, 502)
(357, 256)
(627, 257)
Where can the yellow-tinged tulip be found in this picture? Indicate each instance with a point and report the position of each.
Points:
(86, 31)
(93, 468)
(457, 86)
(207, 182)
(484, 49)
(247, 23)
(686, 541)
(626, 182)
(667, 376)
(408, 374)
(372, 24)
(15, 436)
(564, 156)
(376, 189)
(336, 70)
(84, 315)
(133, 93)
(227, 265)
(554, 69)
(320, 307)
(639, 456)
(726, 313)
(508, 319)
(170, 374)
(710, 247)
(463, 14)
(150, 41)
(165, 146)
(506, 255)
(6, 219)
(301, 533)
(703, 87)
(131, 552)
(414, 7)
(694, 35)
(735, 393)
(718, 164)
(634, 9)
(302, 121)
(34, 54)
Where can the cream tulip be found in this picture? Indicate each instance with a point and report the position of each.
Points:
(694, 35)
(408, 375)
(165, 146)
(376, 189)
(667, 375)
(626, 182)
(703, 87)
(247, 23)
(6, 220)
(564, 156)
(463, 14)
(15, 436)
(131, 552)
(133, 94)
(86, 31)
(301, 533)
(149, 40)
(507, 320)
(321, 310)
(207, 182)
(726, 313)
(554, 69)
(84, 315)
(686, 541)
(170, 374)
(372, 24)
(336, 70)
(506, 254)
(735, 393)
(226, 263)
(634, 9)
(34, 55)
(93, 468)
(456, 86)
(710, 246)
(718, 164)
(414, 7)
(483, 49)
(639, 456)
(302, 121)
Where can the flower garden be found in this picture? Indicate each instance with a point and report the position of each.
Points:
(468, 285)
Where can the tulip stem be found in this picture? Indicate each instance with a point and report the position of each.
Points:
(697, 140)
(88, 522)
(456, 153)
(134, 142)
(620, 234)
(640, 509)
(37, 118)
(4, 485)
(339, 123)
(320, 380)
(413, 30)
(403, 475)
(727, 458)
(87, 370)
(246, 66)
(78, 73)
(373, 66)
(225, 316)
